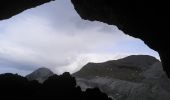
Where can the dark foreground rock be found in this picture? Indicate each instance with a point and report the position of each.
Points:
(56, 87)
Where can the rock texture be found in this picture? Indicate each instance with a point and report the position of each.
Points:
(147, 20)
(40, 75)
(9, 8)
(131, 78)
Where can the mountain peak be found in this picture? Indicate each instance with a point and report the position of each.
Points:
(41, 74)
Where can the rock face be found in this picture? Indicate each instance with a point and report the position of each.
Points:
(40, 75)
(147, 20)
(131, 78)
(9, 8)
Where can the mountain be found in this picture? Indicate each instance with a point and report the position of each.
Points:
(40, 75)
(128, 68)
(136, 77)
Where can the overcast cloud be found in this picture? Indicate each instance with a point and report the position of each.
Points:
(54, 36)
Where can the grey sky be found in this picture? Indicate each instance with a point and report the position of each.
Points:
(54, 36)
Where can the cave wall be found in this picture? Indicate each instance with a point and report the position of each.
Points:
(147, 20)
(144, 19)
(9, 8)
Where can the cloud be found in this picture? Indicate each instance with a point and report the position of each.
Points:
(54, 36)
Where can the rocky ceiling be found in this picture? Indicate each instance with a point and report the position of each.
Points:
(8, 8)
(146, 20)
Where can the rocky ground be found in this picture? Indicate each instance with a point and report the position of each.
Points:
(131, 78)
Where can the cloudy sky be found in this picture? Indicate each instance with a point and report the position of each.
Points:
(54, 36)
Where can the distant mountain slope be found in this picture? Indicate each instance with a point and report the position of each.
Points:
(128, 68)
(40, 75)
(137, 77)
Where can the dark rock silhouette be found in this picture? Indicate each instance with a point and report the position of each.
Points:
(147, 20)
(9, 8)
(40, 75)
(136, 77)
(63, 87)
(16, 86)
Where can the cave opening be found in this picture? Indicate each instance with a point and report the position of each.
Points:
(53, 35)
(99, 55)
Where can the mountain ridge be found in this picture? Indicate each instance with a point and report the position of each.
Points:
(129, 66)
(134, 77)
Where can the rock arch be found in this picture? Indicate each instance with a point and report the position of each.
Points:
(147, 20)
